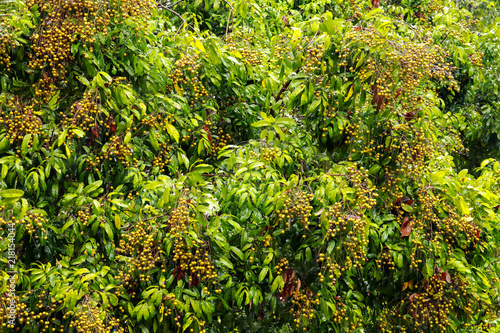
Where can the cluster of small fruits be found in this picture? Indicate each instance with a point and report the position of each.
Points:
(303, 307)
(296, 206)
(243, 42)
(386, 261)
(35, 222)
(119, 151)
(329, 269)
(19, 120)
(141, 250)
(82, 114)
(313, 57)
(186, 75)
(224, 140)
(91, 317)
(7, 42)
(64, 23)
(162, 159)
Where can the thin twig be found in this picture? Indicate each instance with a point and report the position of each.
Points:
(178, 15)
(228, 17)
(175, 3)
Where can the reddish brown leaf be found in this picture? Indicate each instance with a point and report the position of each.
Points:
(297, 289)
(412, 296)
(398, 92)
(375, 3)
(205, 127)
(409, 116)
(285, 21)
(380, 102)
(95, 132)
(406, 227)
(179, 273)
(445, 276)
(193, 280)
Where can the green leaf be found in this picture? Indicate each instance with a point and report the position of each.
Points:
(285, 121)
(263, 273)
(127, 138)
(187, 323)
(62, 137)
(25, 143)
(80, 133)
(407, 208)
(238, 252)
(261, 123)
(268, 259)
(92, 187)
(173, 132)
(349, 94)
(154, 140)
(226, 262)
(11, 194)
(4, 144)
(462, 205)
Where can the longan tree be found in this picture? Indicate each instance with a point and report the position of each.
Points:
(271, 166)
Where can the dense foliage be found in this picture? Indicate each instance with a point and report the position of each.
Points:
(236, 165)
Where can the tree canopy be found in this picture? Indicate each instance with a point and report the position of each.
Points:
(250, 165)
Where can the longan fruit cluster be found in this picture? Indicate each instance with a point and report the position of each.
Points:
(19, 120)
(64, 22)
(202, 266)
(179, 219)
(141, 247)
(296, 206)
(365, 192)
(182, 255)
(313, 57)
(450, 227)
(224, 140)
(329, 269)
(91, 317)
(6, 44)
(416, 61)
(137, 11)
(84, 216)
(5, 301)
(349, 231)
(187, 74)
(424, 12)
(386, 261)
(40, 311)
(432, 306)
(243, 43)
(162, 159)
(93, 162)
(270, 154)
(158, 121)
(476, 59)
(82, 114)
(340, 315)
(118, 151)
(303, 303)
(281, 266)
(283, 49)
(37, 222)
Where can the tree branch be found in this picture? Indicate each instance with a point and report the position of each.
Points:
(178, 15)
